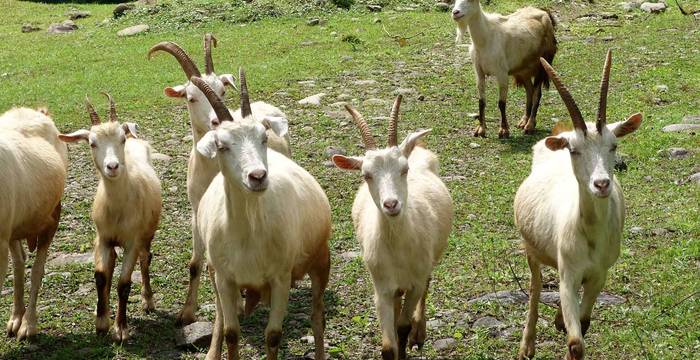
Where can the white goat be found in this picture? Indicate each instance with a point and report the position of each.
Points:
(265, 222)
(126, 211)
(402, 216)
(570, 213)
(33, 162)
(200, 170)
(505, 46)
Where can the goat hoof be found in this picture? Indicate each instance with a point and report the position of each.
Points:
(120, 334)
(26, 331)
(148, 306)
(523, 122)
(575, 350)
(480, 132)
(503, 134)
(417, 336)
(185, 317)
(529, 131)
(102, 326)
(13, 326)
(526, 351)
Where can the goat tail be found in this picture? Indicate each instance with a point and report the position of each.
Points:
(550, 47)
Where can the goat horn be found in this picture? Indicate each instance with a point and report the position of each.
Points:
(603, 103)
(367, 137)
(180, 55)
(393, 119)
(94, 118)
(565, 95)
(219, 108)
(209, 39)
(112, 107)
(245, 98)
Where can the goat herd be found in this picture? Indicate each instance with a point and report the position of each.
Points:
(263, 222)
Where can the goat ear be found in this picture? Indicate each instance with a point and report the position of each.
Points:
(130, 129)
(207, 145)
(347, 162)
(278, 124)
(75, 136)
(555, 143)
(411, 141)
(229, 80)
(622, 128)
(175, 92)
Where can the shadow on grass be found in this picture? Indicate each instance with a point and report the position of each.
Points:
(521, 143)
(297, 323)
(77, 1)
(152, 336)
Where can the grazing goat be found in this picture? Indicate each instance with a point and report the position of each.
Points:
(126, 211)
(505, 46)
(402, 216)
(33, 162)
(200, 170)
(265, 222)
(570, 213)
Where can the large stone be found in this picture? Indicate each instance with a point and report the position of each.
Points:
(365, 82)
(313, 100)
(653, 8)
(695, 178)
(160, 157)
(77, 14)
(334, 150)
(121, 9)
(133, 30)
(26, 28)
(680, 127)
(62, 28)
(351, 255)
(691, 119)
(65, 259)
(444, 344)
(504, 296)
(195, 335)
(678, 153)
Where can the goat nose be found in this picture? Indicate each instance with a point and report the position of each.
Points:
(113, 166)
(602, 184)
(391, 204)
(257, 175)
(215, 122)
(455, 12)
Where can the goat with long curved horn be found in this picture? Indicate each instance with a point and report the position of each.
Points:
(367, 137)
(245, 98)
(112, 107)
(603, 103)
(393, 119)
(180, 55)
(209, 39)
(219, 108)
(94, 118)
(565, 95)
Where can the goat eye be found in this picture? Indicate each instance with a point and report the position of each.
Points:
(574, 152)
(124, 140)
(192, 100)
(367, 177)
(404, 171)
(93, 145)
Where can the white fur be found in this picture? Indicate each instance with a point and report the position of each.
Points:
(126, 211)
(400, 249)
(570, 224)
(33, 162)
(261, 235)
(507, 45)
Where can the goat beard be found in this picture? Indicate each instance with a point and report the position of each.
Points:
(461, 30)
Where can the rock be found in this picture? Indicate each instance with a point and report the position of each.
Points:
(374, 101)
(329, 164)
(64, 275)
(444, 344)
(661, 88)
(434, 324)
(344, 97)
(62, 28)
(365, 82)
(471, 217)
(608, 16)
(187, 138)
(629, 6)
(77, 14)
(121, 10)
(346, 58)
(136, 277)
(648, 178)
(160, 157)
(26, 28)
(84, 290)
(338, 104)
(333, 150)
(133, 30)
(473, 116)
(489, 323)
(680, 127)
(308, 83)
(653, 8)
(659, 232)
(196, 335)
(65, 259)
(504, 296)
(449, 178)
(604, 299)
(208, 308)
(376, 20)
(404, 91)
(474, 145)
(695, 178)
(313, 100)
(374, 8)
(677, 153)
(312, 355)
(313, 21)
(636, 230)
(441, 6)
(620, 163)
(350, 255)
(308, 339)
(691, 119)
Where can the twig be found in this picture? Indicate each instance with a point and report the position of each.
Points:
(399, 38)
(517, 281)
(665, 311)
(641, 342)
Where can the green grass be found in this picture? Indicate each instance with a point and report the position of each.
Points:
(653, 274)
